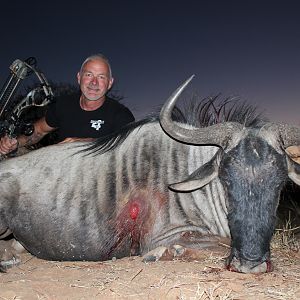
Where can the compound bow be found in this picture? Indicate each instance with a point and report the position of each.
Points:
(10, 109)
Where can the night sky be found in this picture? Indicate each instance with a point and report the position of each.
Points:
(249, 49)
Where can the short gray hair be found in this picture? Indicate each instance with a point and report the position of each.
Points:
(97, 56)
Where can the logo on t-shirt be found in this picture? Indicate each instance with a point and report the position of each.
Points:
(96, 124)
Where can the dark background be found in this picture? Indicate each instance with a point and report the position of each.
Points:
(245, 48)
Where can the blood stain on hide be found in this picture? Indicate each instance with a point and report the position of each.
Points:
(134, 211)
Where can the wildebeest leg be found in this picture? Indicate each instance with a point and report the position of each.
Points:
(187, 247)
(9, 257)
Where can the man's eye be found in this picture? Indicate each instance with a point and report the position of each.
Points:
(87, 74)
(102, 77)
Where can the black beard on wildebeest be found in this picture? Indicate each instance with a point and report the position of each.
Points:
(117, 197)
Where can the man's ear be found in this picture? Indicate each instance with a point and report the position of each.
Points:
(111, 82)
(78, 78)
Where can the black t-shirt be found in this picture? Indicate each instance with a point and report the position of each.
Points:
(72, 121)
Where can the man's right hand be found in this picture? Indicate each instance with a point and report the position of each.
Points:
(8, 145)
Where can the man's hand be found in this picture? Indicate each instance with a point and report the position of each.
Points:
(8, 145)
(75, 139)
(294, 153)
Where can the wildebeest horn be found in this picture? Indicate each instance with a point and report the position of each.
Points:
(218, 134)
(289, 135)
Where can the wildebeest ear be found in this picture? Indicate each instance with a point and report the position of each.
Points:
(293, 170)
(202, 176)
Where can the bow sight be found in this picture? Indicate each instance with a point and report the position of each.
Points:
(10, 108)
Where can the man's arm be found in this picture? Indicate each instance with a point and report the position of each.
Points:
(75, 139)
(41, 128)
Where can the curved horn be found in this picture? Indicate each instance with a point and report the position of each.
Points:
(289, 135)
(218, 134)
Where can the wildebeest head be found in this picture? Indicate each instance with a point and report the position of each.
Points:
(253, 167)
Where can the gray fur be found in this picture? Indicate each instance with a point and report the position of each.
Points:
(64, 204)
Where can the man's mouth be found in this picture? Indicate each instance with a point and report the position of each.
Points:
(93, 89)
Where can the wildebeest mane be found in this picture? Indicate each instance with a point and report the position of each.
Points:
(111, 141)
(214, 110)
(206, 112)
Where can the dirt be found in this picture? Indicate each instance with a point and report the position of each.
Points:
(130, 278)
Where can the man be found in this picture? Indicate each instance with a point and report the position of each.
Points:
(90, 116)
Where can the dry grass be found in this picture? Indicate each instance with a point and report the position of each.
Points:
(130, 278)
(284, 238)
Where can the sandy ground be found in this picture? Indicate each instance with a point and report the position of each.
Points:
(130, 278)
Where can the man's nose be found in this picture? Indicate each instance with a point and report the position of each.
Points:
(94, 80)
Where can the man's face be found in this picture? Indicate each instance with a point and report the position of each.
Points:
(94, 79)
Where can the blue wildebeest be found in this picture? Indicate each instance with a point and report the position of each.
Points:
(113, 200)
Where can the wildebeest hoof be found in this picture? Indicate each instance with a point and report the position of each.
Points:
(8, 254)
(164, 253)
(155, 254)
(6, 264)
(177, 250)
